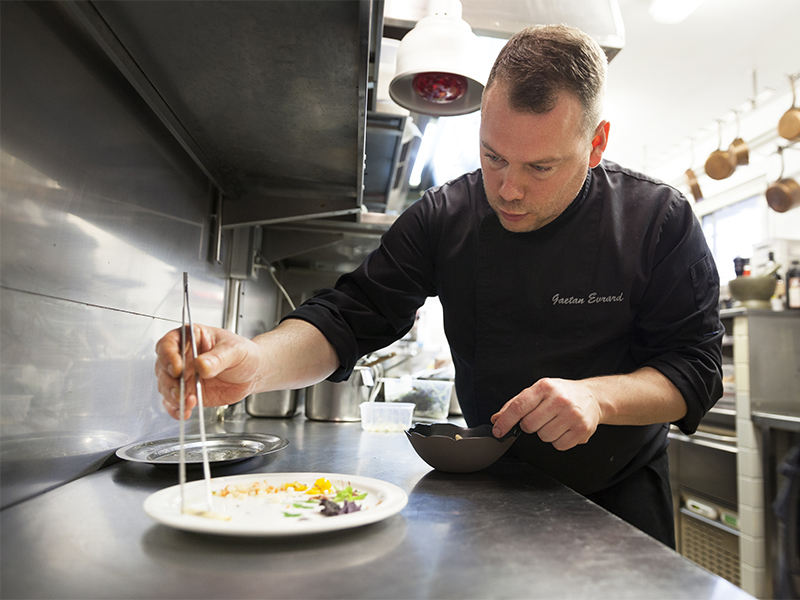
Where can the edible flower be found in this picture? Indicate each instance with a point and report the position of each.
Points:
(320, 486)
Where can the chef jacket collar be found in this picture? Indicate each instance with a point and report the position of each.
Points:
(576, 203)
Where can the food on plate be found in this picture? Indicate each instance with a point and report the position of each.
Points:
(331, 509)
(298, 499)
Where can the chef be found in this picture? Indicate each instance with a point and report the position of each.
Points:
(580, 298)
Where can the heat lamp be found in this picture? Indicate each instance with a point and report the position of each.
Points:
(439, 71)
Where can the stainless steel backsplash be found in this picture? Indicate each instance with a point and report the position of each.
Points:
(100, 213)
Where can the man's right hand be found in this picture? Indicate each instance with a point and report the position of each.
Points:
(228, 364)
(293, 355)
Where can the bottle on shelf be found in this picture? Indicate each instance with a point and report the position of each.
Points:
(793, 286)
(778, 300)
(738, 266)
(771, 265)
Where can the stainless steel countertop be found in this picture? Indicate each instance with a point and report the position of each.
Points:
(506, 532)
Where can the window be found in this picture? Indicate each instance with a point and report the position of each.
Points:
(732, 231)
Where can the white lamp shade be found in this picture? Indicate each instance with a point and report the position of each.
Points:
(439, 43)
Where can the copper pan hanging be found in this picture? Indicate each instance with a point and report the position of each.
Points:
(789, 125)
(720, 164)
(784, 194)
(739, 152)
(691, 178)
(694, 186)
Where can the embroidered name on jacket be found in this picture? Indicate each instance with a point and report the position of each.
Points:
(593, 298)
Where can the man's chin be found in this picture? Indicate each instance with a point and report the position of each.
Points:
(522, 224)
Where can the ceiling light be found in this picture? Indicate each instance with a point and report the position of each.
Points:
(439, 71)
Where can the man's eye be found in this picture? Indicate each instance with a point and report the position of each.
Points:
(493, 158)
(539, 169)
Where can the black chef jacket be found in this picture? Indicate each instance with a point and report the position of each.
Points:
(621, 280)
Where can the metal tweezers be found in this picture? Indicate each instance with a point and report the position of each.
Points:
(187, 315)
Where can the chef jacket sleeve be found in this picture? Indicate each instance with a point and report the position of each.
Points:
(679, 330)
(377, 303)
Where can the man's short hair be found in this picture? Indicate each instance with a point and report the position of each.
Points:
(542, 61)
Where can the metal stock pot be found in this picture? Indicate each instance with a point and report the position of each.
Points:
(328, 401)
(280, 403)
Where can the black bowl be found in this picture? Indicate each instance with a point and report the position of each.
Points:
(453, 449)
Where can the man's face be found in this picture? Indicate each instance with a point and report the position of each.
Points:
(534, 164)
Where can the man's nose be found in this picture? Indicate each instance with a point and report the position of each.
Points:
(511, 188)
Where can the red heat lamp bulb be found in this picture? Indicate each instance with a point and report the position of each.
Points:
(440, 88)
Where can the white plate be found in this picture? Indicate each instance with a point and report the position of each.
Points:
(263, 515)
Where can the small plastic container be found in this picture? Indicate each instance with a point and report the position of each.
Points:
(386, 416)
(431, 397)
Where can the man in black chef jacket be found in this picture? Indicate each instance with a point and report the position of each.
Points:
(580, 298)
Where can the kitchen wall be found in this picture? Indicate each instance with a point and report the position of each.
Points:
(101, 211)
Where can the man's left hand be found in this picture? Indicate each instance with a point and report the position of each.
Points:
(561, 412)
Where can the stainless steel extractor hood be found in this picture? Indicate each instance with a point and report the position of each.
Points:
(269, 98)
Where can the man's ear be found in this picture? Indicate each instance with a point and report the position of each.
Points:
(599, 143)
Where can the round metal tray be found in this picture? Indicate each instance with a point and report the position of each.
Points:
(222, 449)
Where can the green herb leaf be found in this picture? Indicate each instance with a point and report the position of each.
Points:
(348, 494)
(286, 514)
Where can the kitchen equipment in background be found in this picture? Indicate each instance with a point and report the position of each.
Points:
(753, 292)
(431, 397)
(439, 70)
(703, 477)
(444, 373)
(691, 178)
(694, 186)
(708, 541)
(329, 401)
(386, 416)
(741, 266)
(223, 449)
(721, 164)
(703, 509)
(784, 194)
(285, 403)
(739, 151)
(275, 404)
(789, 125)
(793, 286)
(782, 251)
